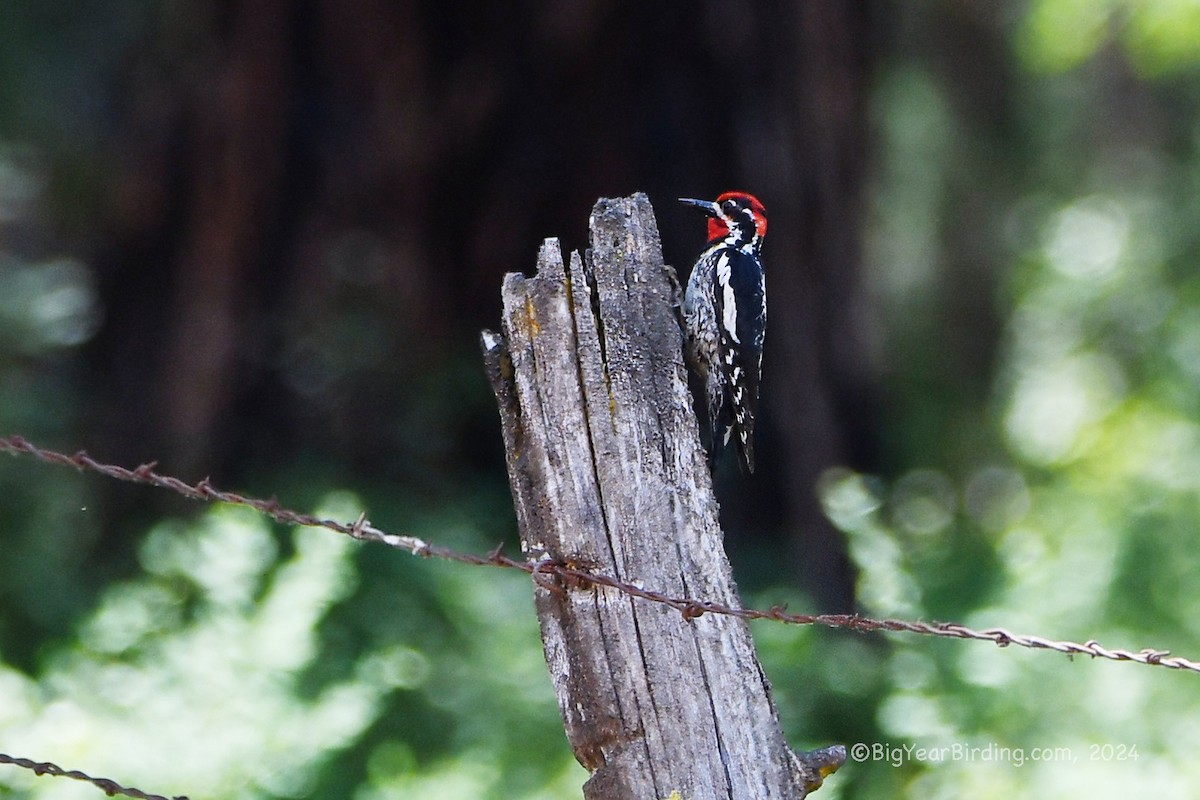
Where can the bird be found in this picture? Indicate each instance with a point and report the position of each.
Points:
(725, 320)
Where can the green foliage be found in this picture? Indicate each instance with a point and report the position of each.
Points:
(197, 677)
(1159, 36)
(1069, 508)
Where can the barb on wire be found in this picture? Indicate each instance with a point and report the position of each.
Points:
(570, 575)
(109, 787)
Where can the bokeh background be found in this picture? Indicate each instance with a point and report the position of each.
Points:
(256, 241)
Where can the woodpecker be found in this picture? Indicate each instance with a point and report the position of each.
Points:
(725, 319)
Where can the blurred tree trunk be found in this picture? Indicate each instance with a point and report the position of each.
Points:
(826, 350)
(237, 162)
(803, 147)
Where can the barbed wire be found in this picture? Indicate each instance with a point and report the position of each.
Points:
(109, 787)
(546, 570)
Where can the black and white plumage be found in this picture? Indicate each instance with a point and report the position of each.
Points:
(725, 320)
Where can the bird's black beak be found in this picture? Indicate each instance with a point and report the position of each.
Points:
(710, 208)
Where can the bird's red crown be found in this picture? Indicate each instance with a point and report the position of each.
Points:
(718, 225)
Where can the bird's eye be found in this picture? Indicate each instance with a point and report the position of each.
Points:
(729, 207)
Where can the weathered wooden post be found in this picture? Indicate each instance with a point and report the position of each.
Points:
(607, 472)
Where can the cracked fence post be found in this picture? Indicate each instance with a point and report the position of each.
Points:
(608, 474)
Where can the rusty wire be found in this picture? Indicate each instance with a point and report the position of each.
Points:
(109, 787)
(546, 570)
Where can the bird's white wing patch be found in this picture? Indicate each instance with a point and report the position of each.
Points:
(728, 302)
